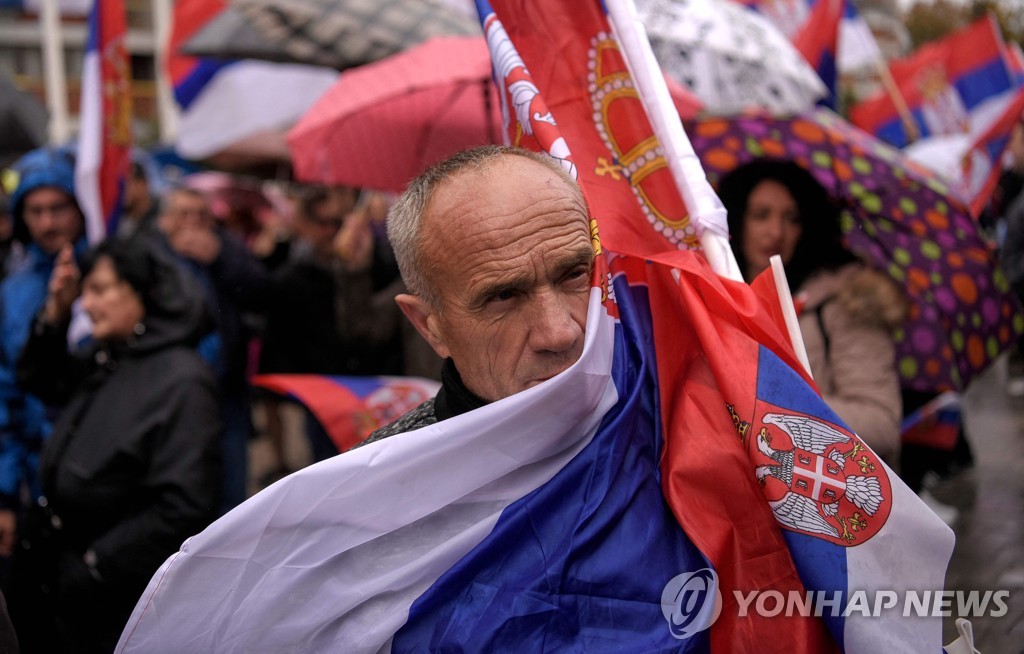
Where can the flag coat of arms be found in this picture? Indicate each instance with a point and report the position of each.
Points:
(591, 512)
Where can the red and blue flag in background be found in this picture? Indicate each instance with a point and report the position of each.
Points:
(605, 509)
(189, 75)
(350, 408)
(105, 136)
(947, 85)
(818, 41)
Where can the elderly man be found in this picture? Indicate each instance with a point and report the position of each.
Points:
(494, 246)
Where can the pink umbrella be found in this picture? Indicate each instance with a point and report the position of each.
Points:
(382, 124)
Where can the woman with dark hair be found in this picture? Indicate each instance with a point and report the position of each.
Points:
(847, 310)
(131, 468)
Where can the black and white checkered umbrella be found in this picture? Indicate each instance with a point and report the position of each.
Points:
(347, 33)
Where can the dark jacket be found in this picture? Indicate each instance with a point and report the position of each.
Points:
(325, 320)
(131, 468)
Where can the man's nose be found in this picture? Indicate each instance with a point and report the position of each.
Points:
(552, 327)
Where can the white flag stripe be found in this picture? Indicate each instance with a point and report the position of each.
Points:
(400, 511)
(247, 98)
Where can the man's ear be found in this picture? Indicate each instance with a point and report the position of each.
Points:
(424, 318)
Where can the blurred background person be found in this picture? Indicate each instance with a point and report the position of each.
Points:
(131, 469)
(46, 219)
(332, 310)
(1007, 206)
(139, 208)
(234, 282)
(847, 310)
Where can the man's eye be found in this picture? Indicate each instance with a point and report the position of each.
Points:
(503, 296)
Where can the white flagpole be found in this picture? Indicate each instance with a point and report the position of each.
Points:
(54, 71)
(167, 110)
(789, 312)
(706, 210)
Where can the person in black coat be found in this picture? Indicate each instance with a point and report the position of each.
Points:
(131, 468)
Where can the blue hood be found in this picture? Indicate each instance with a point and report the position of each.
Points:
(45, 167)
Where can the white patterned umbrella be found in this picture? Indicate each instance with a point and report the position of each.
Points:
(731, 58)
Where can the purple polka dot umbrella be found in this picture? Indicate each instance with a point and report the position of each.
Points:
(903, 220)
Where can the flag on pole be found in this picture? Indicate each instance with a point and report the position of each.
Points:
(605, 509)
(857, 45)
(105, 134)
(973, 162)
(949, 85)
(981, 165)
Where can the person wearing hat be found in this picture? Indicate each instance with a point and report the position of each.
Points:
(46, 218)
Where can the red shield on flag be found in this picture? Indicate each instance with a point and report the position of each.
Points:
(818, 476)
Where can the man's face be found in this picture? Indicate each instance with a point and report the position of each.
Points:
(185, 211)
(510, 254)
(52, 218)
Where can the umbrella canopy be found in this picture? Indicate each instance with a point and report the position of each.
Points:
(347, 33)
(732, 59)
(22, 123)
(901, 218)
(381, 125)
(230, 35)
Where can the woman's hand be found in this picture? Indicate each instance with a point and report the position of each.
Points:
(64, 287)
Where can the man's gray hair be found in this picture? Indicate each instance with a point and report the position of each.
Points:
(406, 216)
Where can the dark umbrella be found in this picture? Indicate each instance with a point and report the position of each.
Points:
(23, 121)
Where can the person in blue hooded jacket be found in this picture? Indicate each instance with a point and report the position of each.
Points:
(46, 218)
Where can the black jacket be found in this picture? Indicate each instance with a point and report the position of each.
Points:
(132, 465)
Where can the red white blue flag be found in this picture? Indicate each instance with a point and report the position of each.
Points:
(246, 104)
(981, 165)
(189, 75)
(949, 86)
(643, 500)
(105, 135)
(350, 408)
(818, 41)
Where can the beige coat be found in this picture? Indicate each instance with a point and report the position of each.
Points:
(853, 359)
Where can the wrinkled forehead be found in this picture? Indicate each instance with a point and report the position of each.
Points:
(502, 194)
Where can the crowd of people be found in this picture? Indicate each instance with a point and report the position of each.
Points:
(125, 397)
(125, 402)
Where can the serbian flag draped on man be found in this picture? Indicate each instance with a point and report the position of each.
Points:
(599, 510)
